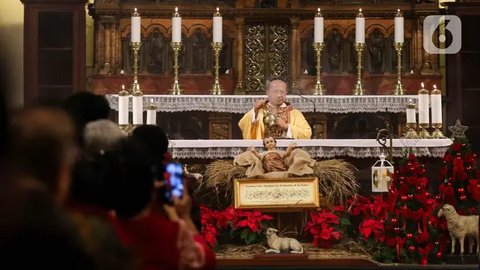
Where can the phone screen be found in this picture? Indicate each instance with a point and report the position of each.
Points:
(174, 182)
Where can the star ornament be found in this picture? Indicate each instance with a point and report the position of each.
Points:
(458, 131)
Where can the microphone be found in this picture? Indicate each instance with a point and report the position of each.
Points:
(312, 120)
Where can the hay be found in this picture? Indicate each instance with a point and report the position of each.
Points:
(216, 190)
(336, 180)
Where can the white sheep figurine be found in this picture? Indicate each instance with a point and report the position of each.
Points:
(460, 227)
(278, 244)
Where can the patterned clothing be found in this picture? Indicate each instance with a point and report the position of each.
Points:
(280, 112)
(252, 125)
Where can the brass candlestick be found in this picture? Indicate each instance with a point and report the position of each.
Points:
(399, 90)
(216, 88)
(176, 87)
(318, 90)
(437, 133)
(423, 131)
(135, 89)
(411, 133)
(127, 129)
(358, 91)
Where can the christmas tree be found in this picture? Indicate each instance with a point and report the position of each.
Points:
(460, 185)
(411, 226)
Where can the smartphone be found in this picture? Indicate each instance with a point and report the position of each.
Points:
(174, 183)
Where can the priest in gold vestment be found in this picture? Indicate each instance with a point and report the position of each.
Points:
(286, 121)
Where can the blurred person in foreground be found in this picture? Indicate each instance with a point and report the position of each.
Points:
(90, 199)
(34, 226)
(160, 243)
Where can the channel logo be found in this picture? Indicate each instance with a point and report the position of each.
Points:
(444, 31)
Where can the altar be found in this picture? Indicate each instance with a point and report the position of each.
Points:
(330, 116)
(317, 148)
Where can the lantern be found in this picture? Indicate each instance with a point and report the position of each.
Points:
(381, 171)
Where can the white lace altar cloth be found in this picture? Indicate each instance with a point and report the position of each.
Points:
(318, 148)
(243, 103)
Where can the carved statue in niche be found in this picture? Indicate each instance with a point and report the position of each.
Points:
(352, 54)
(334, 51)
(376, 51)
(310, 58)
(199, 52)
(127, 56)
(154, 47)
(226, 57)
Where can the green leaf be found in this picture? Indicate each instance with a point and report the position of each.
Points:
(244, 233)
(345, 222)
(250, 238)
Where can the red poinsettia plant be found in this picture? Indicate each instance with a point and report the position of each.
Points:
(324, 227)
(247, 225)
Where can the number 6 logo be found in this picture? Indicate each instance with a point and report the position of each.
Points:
(444, 30)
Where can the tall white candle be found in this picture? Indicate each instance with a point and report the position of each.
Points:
(411, 114)
(136, 26)
(360, 28)
(436, 99)
(176, 27)
(318, 27)
(137, 103)
(423, 108)
(217, 26)
(399, 28)
(152, 113)
(123, 107)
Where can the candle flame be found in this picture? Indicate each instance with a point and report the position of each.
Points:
(151, 100)
(398, 10)
(123, 86)
(318, 10)
(176, 9)
(434, 86)
(218, 9)
(360, 10)
(423, 85)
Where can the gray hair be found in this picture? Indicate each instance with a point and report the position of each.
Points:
(101, 135)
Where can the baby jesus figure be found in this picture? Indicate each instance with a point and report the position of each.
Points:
(273, 159)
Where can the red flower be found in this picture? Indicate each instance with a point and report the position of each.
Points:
(253, 220)
(448, 158)
(456, 147)
(473, 189)
(370, 226)
(321, 228)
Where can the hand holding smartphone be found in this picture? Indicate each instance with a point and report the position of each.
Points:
(174, 183)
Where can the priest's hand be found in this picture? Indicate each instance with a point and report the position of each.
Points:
(282, 124)
(259, 104)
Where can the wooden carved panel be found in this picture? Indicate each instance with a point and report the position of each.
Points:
(266, 55)
(219, 126)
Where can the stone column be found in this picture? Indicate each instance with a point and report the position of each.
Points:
(240, 22)
(426, 59)
(295, 56)
(116, 41)
(417, 45)
(105, 44)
